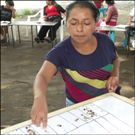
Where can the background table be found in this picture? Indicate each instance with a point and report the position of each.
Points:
(31, 24)
(112, 29)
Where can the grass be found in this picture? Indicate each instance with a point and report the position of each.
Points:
(25, 12)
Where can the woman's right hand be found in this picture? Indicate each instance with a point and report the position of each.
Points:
(39, 111)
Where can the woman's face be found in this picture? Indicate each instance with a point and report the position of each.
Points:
(49, 2)
(80, 24)
(7, 5)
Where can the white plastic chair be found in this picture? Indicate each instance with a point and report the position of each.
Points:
(41, 15)
(14, 30)
(63, 21)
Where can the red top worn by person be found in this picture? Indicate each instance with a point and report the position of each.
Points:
(98, 3)
(52, 12)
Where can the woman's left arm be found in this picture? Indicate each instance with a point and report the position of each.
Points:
(113, 81)
(109, 14)
(13, 12)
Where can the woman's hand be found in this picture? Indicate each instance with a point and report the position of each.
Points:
(112, 83)
(45, 18)
(39, 111)
(12, 8)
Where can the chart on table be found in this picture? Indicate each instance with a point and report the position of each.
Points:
(106, 116)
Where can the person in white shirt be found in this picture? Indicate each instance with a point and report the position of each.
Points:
(130, 30)
(131, 17)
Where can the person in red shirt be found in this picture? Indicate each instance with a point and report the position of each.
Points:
(98, 3)
(52, 12)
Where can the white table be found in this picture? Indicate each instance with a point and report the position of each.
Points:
(120, 28)
(31, 24)
(112, 29)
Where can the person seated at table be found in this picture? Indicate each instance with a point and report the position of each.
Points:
(131, 18)
(52, 12)
(131, 29)
(111, 15)
(88, 62)
(7, 13)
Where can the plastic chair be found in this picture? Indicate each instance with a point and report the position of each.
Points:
(14, 32)
(41, 15)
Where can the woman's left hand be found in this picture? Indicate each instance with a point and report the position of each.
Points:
(45, 18)
(112, 83)
(12, 8)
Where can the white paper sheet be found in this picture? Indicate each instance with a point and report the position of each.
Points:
(90, 128)
(16, 132)
(108, 126)
(60, 125)
(120, 109)
(119, 124)
(76, 121)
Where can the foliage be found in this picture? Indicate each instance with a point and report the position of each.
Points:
(25, 12)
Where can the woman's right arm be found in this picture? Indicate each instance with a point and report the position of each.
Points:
(39, 109)
(129, 20)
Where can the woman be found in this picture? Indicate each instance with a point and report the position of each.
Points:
(87, 61)
(111, 16)
(7, 12)
(52, 12)
(111, 13)
(98, 3)
(131, 17)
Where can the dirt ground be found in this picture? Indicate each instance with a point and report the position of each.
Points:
(19, 66)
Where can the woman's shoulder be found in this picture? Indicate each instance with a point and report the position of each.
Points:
(100, 35)
(57, 5)
(59, 50)
(103, 39)
(60, 8)
(112, 7)
(62, 45)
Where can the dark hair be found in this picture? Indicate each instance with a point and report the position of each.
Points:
(83, 4)
(10, 2)
(109, 2)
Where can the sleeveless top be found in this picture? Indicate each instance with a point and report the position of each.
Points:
(114, 16)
